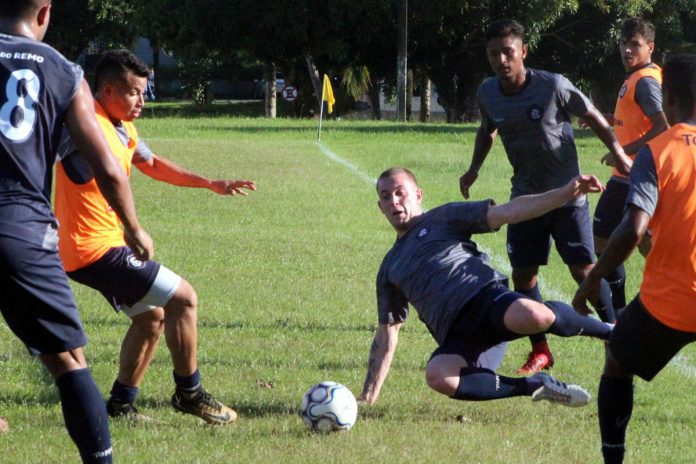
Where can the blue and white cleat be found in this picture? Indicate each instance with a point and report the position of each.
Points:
(555, 391)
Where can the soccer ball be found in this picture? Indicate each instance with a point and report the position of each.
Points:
(328, 407)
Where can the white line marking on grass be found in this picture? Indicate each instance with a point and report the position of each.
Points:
(353, 168)
(680, 361)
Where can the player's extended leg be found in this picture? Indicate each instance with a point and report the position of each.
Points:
(604, 306)
(451, 375)
(180, 315)
(526, 317)
(540, 357)
(137, 351)
(83, 407)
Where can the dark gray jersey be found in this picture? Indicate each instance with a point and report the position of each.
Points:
(39, 84)
(436, 267)
(534, 126)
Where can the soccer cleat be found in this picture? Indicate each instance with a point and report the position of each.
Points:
(556, 391)
(127, 411)
(201, 403)
(536, 362)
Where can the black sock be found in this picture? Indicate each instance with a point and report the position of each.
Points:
(617, 283)
(605, 307)
(85, 416)
(535, 295)
(532, 293)
(615, 405)
(569, 323)
(123, 393)
(480, 384)
(189, 383)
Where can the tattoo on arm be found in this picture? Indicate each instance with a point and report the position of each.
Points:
(371, 362)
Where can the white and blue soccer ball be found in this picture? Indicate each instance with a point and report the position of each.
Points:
(328, 407)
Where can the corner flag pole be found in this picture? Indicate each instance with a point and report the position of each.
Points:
(321, 114)
(328, 97)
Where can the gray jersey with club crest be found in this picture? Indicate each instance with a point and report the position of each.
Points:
(535, 127)
(436, 267)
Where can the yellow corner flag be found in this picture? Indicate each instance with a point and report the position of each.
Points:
(327, 94)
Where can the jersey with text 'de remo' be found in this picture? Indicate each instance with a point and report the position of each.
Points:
(88, 225)
(639, 98)
(664, 186)
(436, 267)
(37, 85)
(534, 125)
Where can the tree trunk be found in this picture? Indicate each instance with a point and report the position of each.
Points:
(401, 60)
(315, 77)
(409, 94)
(270, 100)
(425, 99)
(375, 103)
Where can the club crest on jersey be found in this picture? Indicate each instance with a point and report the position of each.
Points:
(622, 92)
(535, 113)
(135, 263)
(423, 233)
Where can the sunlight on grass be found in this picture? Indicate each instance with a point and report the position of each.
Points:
(285, 280)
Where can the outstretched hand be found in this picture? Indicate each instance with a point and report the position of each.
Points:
(582, 184)
(232, 186)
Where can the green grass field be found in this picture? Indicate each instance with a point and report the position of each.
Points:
(285, 279)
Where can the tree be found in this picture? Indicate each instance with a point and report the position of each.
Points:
(75, 23)
(584, 44)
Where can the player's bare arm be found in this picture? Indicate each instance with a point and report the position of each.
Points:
(482, 146)
(599, 125)
(659, 125)
(112, 180)
(622, 242)
(379, 362)
(164, 170)
(526, 207)
(608, 116)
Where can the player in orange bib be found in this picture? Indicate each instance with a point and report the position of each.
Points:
(661, 320)
(94, 253)
(637, 118)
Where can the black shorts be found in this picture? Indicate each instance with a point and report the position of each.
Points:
(483, 345)
(529, 242)
(610, 208)
(643, 345)
(37, 302)
(119, 276)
